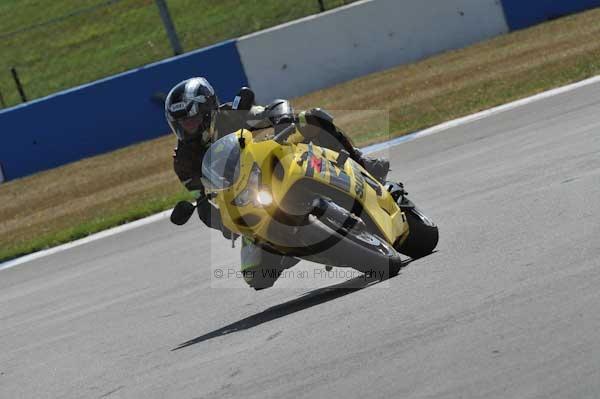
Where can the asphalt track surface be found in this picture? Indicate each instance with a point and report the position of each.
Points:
(508, 307)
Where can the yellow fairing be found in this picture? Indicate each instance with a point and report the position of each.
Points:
(282, 167)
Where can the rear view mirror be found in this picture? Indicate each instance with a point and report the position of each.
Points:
(182, 213)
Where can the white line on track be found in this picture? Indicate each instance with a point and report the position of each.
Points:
(480, 115)
(88, 239)
(367, 150)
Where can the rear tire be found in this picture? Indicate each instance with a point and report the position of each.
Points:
(423, 235)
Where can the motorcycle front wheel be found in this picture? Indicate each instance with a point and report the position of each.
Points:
(362, 250)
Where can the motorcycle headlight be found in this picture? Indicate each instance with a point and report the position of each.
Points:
(264, 198)
(252, 187)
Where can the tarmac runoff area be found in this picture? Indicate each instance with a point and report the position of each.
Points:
(508, 305)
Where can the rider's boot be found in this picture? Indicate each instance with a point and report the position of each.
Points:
(377, 167)
(260, 268)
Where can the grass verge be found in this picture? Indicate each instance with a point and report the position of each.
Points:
(85, 197)
(86, 227)
(59, 44)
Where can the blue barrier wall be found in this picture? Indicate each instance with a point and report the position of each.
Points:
(107, 114)
(523, 13)
(120, 110)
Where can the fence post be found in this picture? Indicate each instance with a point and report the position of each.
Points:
(321, 5)
(18, 83)
(169, 26)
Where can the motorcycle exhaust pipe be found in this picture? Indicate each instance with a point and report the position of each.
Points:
(335, 213)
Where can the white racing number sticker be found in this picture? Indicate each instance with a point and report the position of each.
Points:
(176, 107)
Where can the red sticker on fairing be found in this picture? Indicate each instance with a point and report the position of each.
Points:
(316, 163)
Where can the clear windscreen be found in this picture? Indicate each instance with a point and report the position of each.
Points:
(221, 163)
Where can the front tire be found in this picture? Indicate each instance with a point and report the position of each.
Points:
(423, 235)
(371, 253)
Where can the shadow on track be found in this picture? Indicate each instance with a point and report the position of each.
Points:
(306, 301)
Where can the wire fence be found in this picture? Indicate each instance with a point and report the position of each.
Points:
(64, 43)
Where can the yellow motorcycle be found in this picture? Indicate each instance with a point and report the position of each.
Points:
(303, 201)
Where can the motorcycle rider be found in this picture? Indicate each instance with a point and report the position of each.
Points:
(198, 119)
